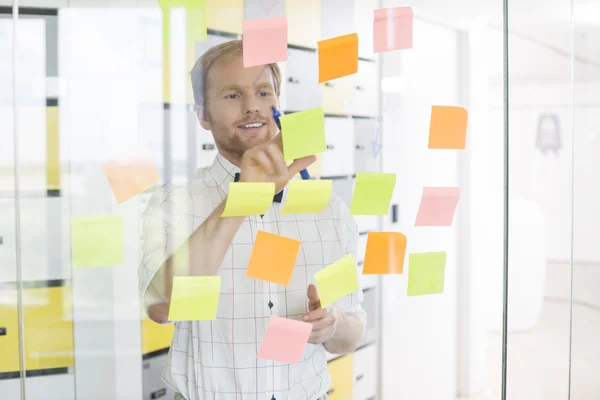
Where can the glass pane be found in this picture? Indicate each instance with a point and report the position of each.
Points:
(585, 272)
(540, 124)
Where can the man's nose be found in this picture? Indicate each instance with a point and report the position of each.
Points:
(251, 105)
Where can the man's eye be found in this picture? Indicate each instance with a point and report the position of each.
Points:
(264, 94)
(232, 96)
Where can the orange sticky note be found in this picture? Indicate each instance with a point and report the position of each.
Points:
(438, 206)
(338, 57)
(131, 173)
(448, 127)
(273, 258)
(264, 41)
(385, 253)
(284, 340)
(392, 29)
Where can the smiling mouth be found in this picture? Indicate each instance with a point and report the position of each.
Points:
(253, 125)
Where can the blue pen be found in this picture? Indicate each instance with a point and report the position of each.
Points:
(276, 114)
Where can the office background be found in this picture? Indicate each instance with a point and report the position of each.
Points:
(94, 77)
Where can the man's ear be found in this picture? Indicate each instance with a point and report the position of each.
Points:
(204, 122)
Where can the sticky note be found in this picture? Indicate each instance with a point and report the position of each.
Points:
(337, 280)
(438, 206)
(273, 258)
(426, 273)
(195, 19)
(248, 198)
(338, 57)
(372, 193)
(97, 241)
(392, 29)
(384, 253)
(264, 41)
(307, 197)
(194, 298)
(131, 173)
(284, 340)
(448, 127)
(195, 22)
(303, 133)
(181, 3)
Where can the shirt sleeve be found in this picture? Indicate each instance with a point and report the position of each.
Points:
(348, 235)
(168, 221)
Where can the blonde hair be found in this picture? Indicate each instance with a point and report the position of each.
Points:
(218, 54)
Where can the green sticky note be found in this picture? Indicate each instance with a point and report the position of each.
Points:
(195, 18)
(372, 193)
(181, 3)
(97, 241)
(426, 273)
(303, 134)
(248, 198)
(337, 281)
(195, 23)
(194, 298)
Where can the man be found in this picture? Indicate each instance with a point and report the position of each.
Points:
(184, 234)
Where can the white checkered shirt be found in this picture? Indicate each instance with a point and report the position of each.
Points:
(218, 359)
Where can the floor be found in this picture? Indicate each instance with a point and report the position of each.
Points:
(538, 360)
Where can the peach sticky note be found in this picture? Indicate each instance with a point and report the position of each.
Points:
(372, 193)
(385, 253)
(338, 57)
(284, 340)
(426, 273)
(337, 280)
(248, 198)
(438, 205)
(392, 29)
(448, 127)
(307, 197)
(264, 41)
(273, 258)
(303, 133)
(130, 173)
(97, 241)
(194, 298)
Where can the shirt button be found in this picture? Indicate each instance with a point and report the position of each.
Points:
(270, 304)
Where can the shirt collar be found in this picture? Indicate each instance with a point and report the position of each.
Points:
(223, 172)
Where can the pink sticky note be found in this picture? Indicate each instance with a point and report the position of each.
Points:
(285, 340)
(131, 172)
(438, 205)
(264, 41)
(392, 29)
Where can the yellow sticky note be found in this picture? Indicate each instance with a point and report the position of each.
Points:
(372, 193)
(307, 197)
(97, 241)
(194, 298)
(303, 133)
(248, 198)
(337, 280)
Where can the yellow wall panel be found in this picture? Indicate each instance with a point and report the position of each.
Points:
(48, 329)
(225, 15)
(304, 22)
(52, 149)
(341, 378)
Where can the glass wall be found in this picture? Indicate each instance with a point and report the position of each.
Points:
(96, 99)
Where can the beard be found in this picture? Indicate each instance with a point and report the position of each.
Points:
(236, 144)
